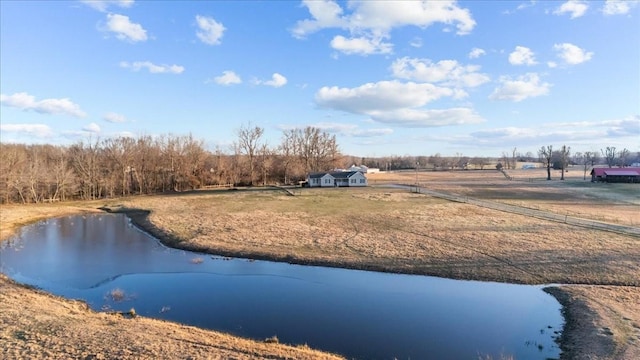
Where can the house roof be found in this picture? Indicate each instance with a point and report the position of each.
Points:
(615, 171)
(317, 175)
(343, 174)
(622, 173)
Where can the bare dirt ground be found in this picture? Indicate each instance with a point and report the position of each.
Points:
(393, 230)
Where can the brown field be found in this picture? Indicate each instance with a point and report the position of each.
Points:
(386, 229)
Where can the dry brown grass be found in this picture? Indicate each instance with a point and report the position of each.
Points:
(393, 230)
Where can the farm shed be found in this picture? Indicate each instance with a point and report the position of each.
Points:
(617, 175)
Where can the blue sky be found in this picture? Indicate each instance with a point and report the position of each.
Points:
(386, 77)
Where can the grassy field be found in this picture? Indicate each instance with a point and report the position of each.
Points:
(391, 230)
(387, 229)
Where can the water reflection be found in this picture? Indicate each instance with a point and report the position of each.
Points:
(112, 265)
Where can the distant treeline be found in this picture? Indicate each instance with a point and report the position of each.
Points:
(146, 165)
(125, 166)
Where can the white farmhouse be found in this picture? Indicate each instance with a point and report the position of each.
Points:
(337, 179)
(320, 179)
(349, 178)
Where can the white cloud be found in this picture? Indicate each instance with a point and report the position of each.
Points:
(363, 133)
(114, 117)
(344, 129)
(153, 68)
(277, 80)
(552, 64)
(579, 132)
(125, 29)
(428, 117)
(522, 56)
(361, 45)
(476, 53)
(325, 13)
(395, 102)
(383, 95)
(127, 134)
(618, 7)
(371, 21)
(520, 7)
(416, 42)
(628, 126)
(36, 130)
(103, 5)
(92, 128)
(523, 87)
(571, 54)
(228, 77)
(576, 8)
(446, 72)
(210, 31)
(27, 102)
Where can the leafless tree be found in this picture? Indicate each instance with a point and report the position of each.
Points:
(265, 155)
(545, 154)
(316, 150)
(506, 161)
(610, 155)
(623, 155)
(249, 142)
(587, 159)
(565, 151)
(480, 162)
(84, 162)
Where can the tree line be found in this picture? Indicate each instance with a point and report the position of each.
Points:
(560, 159)
(124, 166)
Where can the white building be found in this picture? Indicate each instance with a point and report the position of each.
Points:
(337, 179)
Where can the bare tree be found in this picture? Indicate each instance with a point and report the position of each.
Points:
(266, 162)
(610, 155)
(545, 154)
(506, 162)
(623, 155)
(317, 150)
(248, 142)
(84, 162)
(565, 151)
(287, 153)
(480, 162)
(587, 159)
(514, 158)
(13, 158)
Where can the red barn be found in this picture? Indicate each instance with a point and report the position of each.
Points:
(624, 175)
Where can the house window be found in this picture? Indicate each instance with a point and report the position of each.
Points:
(353, 181)
(361, 181)
(327, 181)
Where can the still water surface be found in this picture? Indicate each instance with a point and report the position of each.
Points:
(359, 314)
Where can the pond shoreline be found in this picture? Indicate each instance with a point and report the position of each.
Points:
(565, 294)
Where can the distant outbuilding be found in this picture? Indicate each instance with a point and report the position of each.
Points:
(616, 175)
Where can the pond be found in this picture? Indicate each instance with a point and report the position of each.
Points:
(107, 262)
